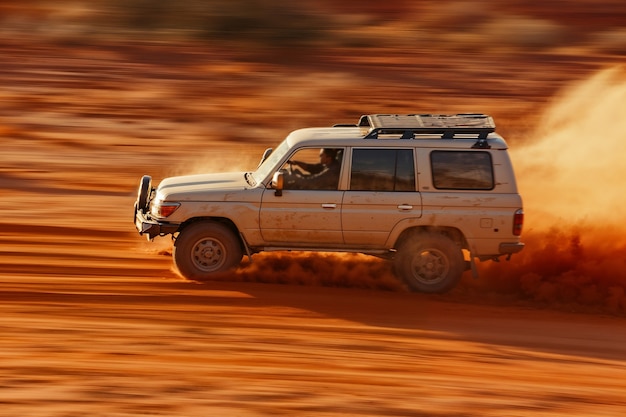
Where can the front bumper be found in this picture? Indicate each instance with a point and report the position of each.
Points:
(145, 225)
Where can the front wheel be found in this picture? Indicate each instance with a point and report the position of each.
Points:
(205, 248)
(430, 263)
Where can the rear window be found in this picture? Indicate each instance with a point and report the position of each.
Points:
(462, 170)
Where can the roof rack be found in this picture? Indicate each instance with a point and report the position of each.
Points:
(409, 125)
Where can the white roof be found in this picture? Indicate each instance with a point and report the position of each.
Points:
(354, 136)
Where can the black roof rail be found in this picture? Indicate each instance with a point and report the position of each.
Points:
(409, 125)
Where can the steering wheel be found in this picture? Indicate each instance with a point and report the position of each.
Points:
(292, 170)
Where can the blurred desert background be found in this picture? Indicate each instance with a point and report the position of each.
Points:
(95, 321)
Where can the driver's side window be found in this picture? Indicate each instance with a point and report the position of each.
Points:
(313, 169)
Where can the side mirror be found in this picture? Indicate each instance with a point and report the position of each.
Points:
(266, 155)
(278, 181)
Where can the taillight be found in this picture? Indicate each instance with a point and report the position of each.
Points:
(518, 222)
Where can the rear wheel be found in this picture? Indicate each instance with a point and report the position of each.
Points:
(430, 263)
(206, 248)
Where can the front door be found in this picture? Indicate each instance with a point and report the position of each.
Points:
(308, 213)
(301, 218)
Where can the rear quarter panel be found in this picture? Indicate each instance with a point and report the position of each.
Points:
(485, 217)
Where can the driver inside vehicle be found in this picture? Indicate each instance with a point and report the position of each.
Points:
(315, 176)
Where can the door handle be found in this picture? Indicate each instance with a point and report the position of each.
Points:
(405, 207)
(329, 205)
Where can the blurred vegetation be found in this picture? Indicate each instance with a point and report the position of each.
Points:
(274, 22)
(478, 25)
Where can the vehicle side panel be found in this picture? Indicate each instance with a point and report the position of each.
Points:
(301, 218)
(369, 216)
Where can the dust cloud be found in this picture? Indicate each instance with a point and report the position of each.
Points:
(221, 158)
(318, 269)
(571, 177)
(573, 172)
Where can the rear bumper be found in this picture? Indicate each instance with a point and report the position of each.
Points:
(511, 248)
(153, 228)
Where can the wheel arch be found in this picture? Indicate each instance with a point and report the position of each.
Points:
(413, 232)
(222, 220)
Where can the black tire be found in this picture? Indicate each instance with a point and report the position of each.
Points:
(430, 263)
(143, 194)
(205, 248)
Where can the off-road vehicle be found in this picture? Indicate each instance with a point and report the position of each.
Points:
(431, 193)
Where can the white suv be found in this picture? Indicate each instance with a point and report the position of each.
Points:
(431, 193)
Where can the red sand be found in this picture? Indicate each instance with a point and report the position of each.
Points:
(95, 322)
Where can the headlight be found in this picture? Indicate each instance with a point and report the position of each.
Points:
(162, 209)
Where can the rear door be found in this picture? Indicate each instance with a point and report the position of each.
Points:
(381, 193)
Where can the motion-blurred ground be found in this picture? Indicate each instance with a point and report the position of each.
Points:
(94, 320)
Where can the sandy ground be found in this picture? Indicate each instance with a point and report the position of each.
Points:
(95, 322)
(120, 344)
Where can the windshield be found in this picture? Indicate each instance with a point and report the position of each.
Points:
(270, 163)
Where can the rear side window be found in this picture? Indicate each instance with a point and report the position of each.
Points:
(462, 170)
(382, 170)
